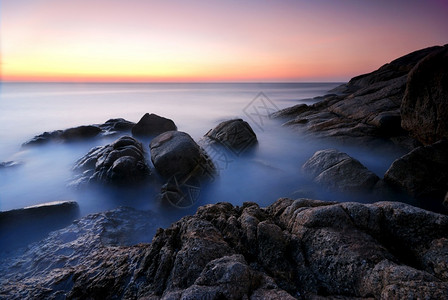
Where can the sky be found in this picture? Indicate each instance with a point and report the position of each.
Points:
(231, 41)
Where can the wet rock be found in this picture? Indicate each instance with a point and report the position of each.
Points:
(424, 108)
(152, 124)
(304, 248)
(175, 153)
(9, 164)
(422, 173)
(236, 135)
(18, 227)
(338, 171)
(121, 162)
(113, 126)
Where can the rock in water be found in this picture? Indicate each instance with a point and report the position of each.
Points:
(151, 125)
(338, 171)
(424, 109)
(422, 173)
(292, 249)
(175, 153)
(122, 162)
(236, 135)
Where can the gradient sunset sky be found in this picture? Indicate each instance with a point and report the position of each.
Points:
(253, 40)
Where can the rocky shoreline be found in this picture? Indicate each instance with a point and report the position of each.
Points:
(292, 249)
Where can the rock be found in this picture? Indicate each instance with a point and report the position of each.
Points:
(151, 125)
(111, 126)
(292, 249)
(175, 153)
(365, 109)
(424, 108)
(340, 172)
(18, 227)
(422, 173)
(122, 162)
(9, 164)
(236, 135)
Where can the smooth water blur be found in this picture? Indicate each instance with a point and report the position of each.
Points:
(270, 172)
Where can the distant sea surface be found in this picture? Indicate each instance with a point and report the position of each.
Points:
(273, 171)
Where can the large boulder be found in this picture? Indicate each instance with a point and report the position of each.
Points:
(424, 109)
(151, 125)
(121, 162)
(175, 153)
(338, 171)
(236, 135)
(422, 173)
(292, 249)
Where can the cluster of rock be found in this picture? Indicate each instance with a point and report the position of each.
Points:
(302, 249)
(404, 101)
(178, 160)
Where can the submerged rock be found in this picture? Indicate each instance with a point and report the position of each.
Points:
(18, 227)
(110, 127)
(422, 173)
(152, 124)
(121, 162)
(9, 164)
(236, 135)
(424, 108)
(304, 248)
(340, 172)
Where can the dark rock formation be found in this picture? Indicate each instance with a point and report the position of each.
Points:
(424, 108)
(293, 249)
(151, 125)
(111, 126)
(18, 227)
(175, 153)
(365, 108)
(236, 135)
(422, 173)
(122, 162)
(338, 171)
(9, 164)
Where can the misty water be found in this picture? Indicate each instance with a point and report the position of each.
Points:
(271, 171)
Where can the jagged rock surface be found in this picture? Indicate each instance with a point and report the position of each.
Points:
(121, 162)
(291, 249)
(365, 108)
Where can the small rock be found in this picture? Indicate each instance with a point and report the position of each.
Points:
(9, 164)
(338, 171)
(236, 135)
(152, 124)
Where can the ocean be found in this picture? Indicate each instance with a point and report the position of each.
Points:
(272, 171)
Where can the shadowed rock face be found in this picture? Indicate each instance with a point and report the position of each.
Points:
(291, 249)
(121, 162)
(424, 109)
(340, 172)
(422, 173)
(151, 125)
